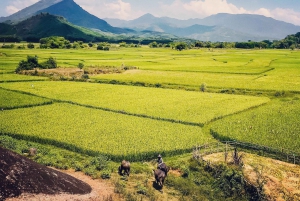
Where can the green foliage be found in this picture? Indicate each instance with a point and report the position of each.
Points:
(231, 182)
(11, 46)
(80, 66)
(122, 44)
(30, 46)
(100, 47)
(181, 46)
(90, 44)
(100, 162)
(54, 42)
(31, 63)
(105, 174)
(153, 44)
(141, 189)
(49, 63)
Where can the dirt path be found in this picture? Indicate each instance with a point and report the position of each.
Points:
(102, 190)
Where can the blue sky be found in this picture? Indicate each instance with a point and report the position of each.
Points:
(285, 10)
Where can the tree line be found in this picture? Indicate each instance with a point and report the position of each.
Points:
(57, 42)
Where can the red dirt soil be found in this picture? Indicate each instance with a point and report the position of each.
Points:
(19, 175)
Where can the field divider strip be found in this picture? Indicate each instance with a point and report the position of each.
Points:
(28, 105)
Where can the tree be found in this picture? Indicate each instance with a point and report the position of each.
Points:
(30, 64)
(91, 44)
(50, 63)
(153, 44)
(80, 66)
(100, 47)
(181, 46)
(30, 45)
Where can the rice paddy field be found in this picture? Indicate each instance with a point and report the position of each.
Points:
(122, 119)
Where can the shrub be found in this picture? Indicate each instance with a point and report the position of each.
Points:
(80, 66)
(203, 87)
(50, 63)
(106, 174)
(100, 47)
(11, 46)
(99, 162)
(106, 48)
(31, 63)
(30, 45)
(21, 47)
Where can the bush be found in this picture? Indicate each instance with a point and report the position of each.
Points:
(21, 47)
(80, 66)
(106, 174)
(203, 87)
(11, 46)
(50, 63)
(99, 162)
(30, 64)
(100, 47)
(106, 48)
(30, 46)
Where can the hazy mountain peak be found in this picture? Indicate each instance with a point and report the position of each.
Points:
(29, 11)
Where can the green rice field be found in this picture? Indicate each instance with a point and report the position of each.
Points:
(176, 105)
(125, 120)
(11, 100)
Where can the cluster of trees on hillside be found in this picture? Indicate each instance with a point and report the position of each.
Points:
(32, 63)
(56, 42)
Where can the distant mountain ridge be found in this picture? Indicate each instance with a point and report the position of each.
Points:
(237, 27)
(219, 27)
(46, 25)
(29, 11)
(67, 9)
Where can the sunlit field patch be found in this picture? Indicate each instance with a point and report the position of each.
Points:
(10, 100)
(275, 125)
(174, 105)
(95, 131)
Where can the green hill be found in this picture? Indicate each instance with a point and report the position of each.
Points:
(45, 25)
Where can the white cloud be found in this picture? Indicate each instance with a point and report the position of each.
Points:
(200, 8)
(120, 9)
(286, 15)
(110, 9)
(210, 7)
(17, 5)
(203, 8)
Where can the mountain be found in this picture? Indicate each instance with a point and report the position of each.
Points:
(253, 24)
(219, 27)
(67, 9)
(29, 11)
(78, 16)
(45, 25)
